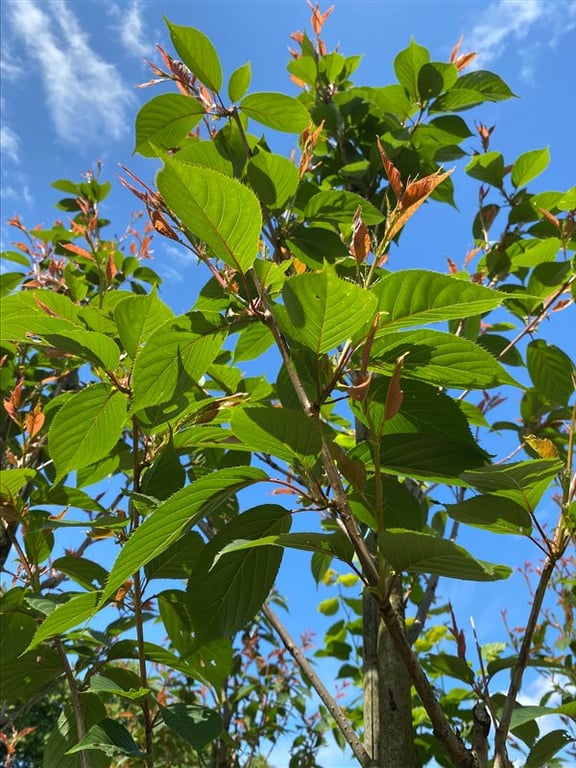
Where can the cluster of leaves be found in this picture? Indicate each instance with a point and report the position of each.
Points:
(359, 417)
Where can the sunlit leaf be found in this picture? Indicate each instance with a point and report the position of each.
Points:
(198, 54)
(220, 211)
(164, 121)
(276, 110)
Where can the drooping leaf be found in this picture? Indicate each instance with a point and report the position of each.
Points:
(439, 358)
(86, 428)
(321, 311)
(277, 111)
(171, 519)
(489, 84)
(220, 211)
(85, 572)
(28, 674)
(551, 371)
(423, 553)
(335, 544)
(164, 121)
(198, 54)
(418, 297)
(453, 666)
(224, 594)
(196, 724)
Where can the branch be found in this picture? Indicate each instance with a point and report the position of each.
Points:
(457, 751)
(74, 700)
(347, 730)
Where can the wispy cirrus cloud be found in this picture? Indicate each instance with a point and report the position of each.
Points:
(131, 27)
(519, 27)
(85, 95)
(9, 143)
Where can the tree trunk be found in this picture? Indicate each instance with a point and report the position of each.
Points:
(389, 735)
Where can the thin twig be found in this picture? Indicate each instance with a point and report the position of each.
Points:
(345, 727)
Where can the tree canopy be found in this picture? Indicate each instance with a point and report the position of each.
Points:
(142, 622)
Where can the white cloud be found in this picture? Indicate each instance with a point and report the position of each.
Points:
(10, 66)
(86, 96)
(9, 143)
(132, 31)
(507, 26)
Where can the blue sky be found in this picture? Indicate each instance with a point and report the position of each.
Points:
(69, 71)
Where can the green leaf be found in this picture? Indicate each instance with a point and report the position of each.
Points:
(490, 85)
(419, 297)
(171, 519)
(424, 410)
(89, 346)
(494, 513)
(170, 365)
(86, 428)
(75, 611)
(110, 737)
(546, 747)
(439, 358)
(137, 317)
(166, 475)
(196, 724)
(488, 167)
(273, 177)
(435, 77)
(339, 206)
(321, 311)
(524, 483)
(17, 632)
(428, 456)
(13, 480)
(329, 607)
(551, 371)
(101, 684)
(178, 561)
(220, 211)
(29, 673)
(85, 572)
(453, 666)
(407, 66)
(457, 99)
(198, 54)
(423, 553)
(224, 594)
(334, 544)
(277, 111)
(239, 82)
(287, 434)
(529, 165)
(165, 121)
(253, 341)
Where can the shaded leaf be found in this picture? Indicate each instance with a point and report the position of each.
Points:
(196, 724)
(172, 518)
(110, 737)
(439, 358)
(422, 553)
